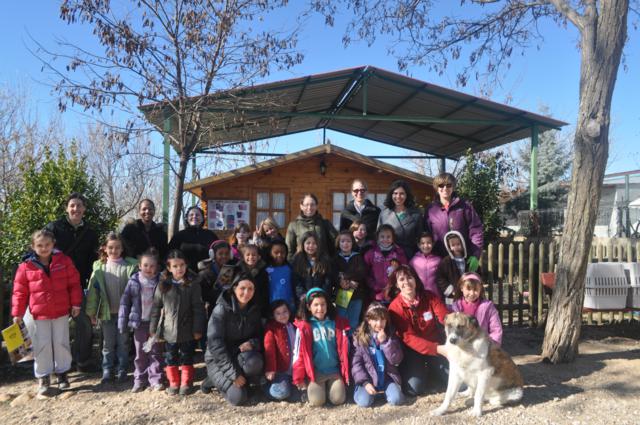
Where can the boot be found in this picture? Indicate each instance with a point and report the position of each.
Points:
(187, 379)
(206, 386)
(43, 385)
(173, 376)
(63, 381)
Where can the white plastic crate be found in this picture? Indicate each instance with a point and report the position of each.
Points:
(633, 274)
(606, 287)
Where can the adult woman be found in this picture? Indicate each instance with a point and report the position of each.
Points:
(401, 213)
(233, 342)
(450, 212)
(360, 208)
(417, 316)
(310, 220)
(143, 233)
(194, 240)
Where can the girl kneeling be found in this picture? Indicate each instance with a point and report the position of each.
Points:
(376, 358)
(321, 363)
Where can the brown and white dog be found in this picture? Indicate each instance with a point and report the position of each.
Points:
(480, 363)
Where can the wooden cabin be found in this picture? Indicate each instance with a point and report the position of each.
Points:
(275, 187)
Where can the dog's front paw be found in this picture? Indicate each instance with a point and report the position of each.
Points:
(439, 411)
(475, 412)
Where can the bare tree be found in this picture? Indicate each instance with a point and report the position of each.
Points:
(124, 173)
(487, 37)
(172, 54)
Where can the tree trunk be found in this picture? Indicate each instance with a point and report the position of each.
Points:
(603, 36)
(177, 199)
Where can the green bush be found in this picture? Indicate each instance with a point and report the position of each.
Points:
(46, 183)
(479, 182)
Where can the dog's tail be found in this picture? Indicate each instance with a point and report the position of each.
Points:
(509, 395)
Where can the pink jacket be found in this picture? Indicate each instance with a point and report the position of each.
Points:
(378, 266)
(425, 267)
(488, 318)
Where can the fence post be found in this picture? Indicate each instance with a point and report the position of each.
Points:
(629, 252)
(540, 285)
(520, 283)
(532, 286)
(510, 283)
(490, 270)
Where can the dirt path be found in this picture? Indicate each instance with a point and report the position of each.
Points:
(601, 387)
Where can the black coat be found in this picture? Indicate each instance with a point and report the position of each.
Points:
(369, 216)
(229, 327)
(81, 244)
(137, 239)
(194, 243)
(354, 269)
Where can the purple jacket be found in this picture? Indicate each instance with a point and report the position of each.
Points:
(426, 267)
(363, 367)
(487, 317)
(460, 216)
(130, 310)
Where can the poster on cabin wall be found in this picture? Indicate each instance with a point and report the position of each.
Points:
(224, 214)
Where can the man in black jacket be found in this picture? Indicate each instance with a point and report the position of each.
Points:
(79, 241)
(144, 233)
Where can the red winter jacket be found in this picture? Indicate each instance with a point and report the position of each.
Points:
(49, 296)
(277, 354)
(416, 327)
(303, 351)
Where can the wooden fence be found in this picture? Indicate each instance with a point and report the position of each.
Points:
(512, 272)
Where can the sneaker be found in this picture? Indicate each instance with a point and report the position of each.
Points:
(106, 377)
(172, 390)
(63, 381)
(138, 387)
(43, 385)
(157, 387)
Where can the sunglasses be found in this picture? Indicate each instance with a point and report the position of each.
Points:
(447, 185)
(359, 190)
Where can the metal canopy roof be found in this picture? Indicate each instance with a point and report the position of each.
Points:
(367, 102)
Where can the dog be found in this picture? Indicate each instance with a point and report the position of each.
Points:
(476, 360)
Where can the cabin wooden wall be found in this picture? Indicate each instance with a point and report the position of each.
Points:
(299, 177)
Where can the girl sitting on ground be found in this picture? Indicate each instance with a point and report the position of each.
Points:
(378, 353)
(321, 353)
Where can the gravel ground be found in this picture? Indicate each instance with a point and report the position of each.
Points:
(601, 387)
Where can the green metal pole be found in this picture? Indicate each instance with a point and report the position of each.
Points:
(533, 189)
(165, 171)
(442, 165)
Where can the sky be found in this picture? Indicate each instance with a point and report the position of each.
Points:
(545, 76)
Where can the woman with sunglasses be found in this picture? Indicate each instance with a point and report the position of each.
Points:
(360, 208)
(450, 212)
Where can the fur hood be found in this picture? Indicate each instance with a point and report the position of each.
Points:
(459, 235)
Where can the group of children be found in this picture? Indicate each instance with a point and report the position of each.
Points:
(167, 312)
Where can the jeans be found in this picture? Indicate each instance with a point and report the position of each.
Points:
(148, 366)
(419, 370)
(392, 392)
(114, 344)
(179, 354)
(351, 313)
(51, 346)
(280, 387)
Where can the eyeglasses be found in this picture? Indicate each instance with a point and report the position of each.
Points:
(443, 185)
(359, 190)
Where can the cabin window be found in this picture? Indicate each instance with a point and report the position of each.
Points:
(341, 199)
(271, 204)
